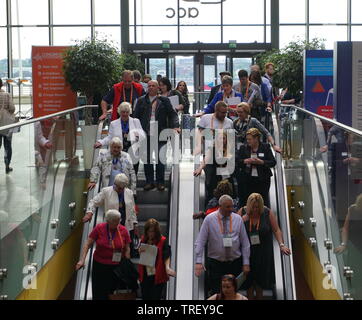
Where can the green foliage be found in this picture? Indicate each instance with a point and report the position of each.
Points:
(92, 66)
(131, 62)
(289, 63)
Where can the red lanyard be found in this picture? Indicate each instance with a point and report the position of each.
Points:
(251, 224)
(124, 95)
(111, 238)
(221, 226)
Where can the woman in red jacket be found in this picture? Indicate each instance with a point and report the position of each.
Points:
(153, 279)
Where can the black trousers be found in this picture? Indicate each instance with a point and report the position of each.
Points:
(251, 185)
(104, 280)
(160, 167)
(8, 149)
(217, 269)
(150, 290)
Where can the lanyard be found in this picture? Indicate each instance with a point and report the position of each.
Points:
(125, 126)
(222, 227)
(111, 237)
(124, 95)
(251, 224)
(212, 123)
(121, 197)
(247, 90)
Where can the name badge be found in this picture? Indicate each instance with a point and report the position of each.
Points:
(228, 242)
(254, 239)
(261, 155)
(117, 256)
(344, 154)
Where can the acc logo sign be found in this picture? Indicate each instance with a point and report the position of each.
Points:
(189, 12)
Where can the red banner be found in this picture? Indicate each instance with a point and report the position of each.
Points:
(50, 92)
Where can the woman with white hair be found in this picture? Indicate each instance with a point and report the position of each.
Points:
(112, 245)
(111, 163)
(128, 129)
(117, 197)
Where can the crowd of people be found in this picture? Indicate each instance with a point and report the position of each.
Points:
(237, 227)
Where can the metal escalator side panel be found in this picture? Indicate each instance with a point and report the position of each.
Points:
(283, 219)
(83, 275)
(173, 226)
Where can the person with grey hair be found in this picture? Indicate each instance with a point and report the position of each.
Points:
(111, 163)
(228, 246)
(112, 245)
(129, 130)
(125, 91)
(117, 197)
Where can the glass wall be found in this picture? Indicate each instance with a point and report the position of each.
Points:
(52, 22)
(327, 19)
(183, 21)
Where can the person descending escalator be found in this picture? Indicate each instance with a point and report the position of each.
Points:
(260, 224)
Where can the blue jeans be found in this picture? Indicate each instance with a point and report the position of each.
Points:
(8, 149)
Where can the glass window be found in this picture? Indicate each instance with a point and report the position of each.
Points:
(23, 40)
(157, 66)
(330, 33)
(72, 12)
(356, 11)
(23, 12)
(112, 34)
(244, 34)
(268, 35)
(194, 13)
(292, 11)
(3, 54)
(131, 35)
(192, 34)
(328, 11)
(131, 12)
(64, 36)
(356, 33)
(291, 33)
(2, 12)
(243, 12)
(240, 64)
(107, 14)
(157, 12)
(156, 34)
(268, 12)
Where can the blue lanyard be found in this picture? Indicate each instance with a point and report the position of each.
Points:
(115, 161)
(125, 126)
(121, 197)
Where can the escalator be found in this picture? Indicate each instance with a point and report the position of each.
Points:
(162, 206)
(284, 288)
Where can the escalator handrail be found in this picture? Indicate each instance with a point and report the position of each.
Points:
(84, 274)
(324, 119)
(283, 219)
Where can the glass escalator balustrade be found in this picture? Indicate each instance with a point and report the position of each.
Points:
(41, 200)
(323, 165)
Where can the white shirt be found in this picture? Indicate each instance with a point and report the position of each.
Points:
(209, 121)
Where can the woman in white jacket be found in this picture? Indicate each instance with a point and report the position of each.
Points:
(117, 197)
(129, 130)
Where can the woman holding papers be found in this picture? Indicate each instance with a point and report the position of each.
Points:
(228, 95)
(255, 160)
(260, 224)
(154, 266)
(229, 289)
(112, 245)
(175, 96)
